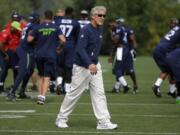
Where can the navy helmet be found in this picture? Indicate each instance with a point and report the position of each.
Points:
(34, 17)
(84, 12)
(15, 16)
(120, 20)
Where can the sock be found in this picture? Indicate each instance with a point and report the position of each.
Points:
(1, 83)
(117, 85)
(41, 97)
(59, 80)
(172, 88)
(158, 82)
(122, 81)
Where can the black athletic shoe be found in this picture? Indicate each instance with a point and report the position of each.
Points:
(23, 96)
(114, 90)
(174, 94)
(52, 88)
(156, 90)
(8, 89)
(126, 89)
(40, 101)
(59, 89)
(135, 90)
(1, 91)
(11, 97)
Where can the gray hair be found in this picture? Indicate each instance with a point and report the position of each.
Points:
(96, 9)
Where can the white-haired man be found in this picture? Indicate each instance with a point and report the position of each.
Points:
(87, 71)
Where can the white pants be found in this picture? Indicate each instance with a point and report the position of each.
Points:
(81, 77)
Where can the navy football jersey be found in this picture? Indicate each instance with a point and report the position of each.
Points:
(170, 40)
(70, 28)
(46, 39)
(24, 43)
(88, 46)
(120, 33)
(83, 23)
(127, 33)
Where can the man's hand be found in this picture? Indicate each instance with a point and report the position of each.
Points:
(6, 58)
(93, 69)
(133, 53)
(59, 49)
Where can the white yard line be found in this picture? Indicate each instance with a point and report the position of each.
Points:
(11, 116)
(89, 132)
(17, 111)
(89, 103)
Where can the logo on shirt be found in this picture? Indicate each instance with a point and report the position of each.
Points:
(46, 31)
(82, 36)
(100, 36)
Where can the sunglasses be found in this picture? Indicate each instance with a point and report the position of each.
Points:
(101, 15)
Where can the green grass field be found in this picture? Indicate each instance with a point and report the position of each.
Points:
(140, 114)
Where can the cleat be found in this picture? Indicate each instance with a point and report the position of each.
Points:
(59, 89)
(61, 124)
(135, 90)
(11, 97)
(1, 89)
(126, 89)
(174, 95)
(106, 126)
(40, 101)
(156, 90)
(114, 90)
(24, 96)
(51, 88)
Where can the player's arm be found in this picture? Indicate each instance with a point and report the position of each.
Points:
(62, 42)
(113, 47)
(62, 39)
(133, 42)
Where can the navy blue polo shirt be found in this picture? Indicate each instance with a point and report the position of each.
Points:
(88, 46)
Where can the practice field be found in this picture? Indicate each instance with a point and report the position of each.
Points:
(140, 114)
